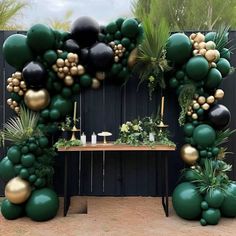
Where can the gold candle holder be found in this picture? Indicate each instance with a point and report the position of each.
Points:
(74, 130)
(104, 134)
(161, 124)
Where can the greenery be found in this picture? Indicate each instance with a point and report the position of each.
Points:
(20, 128)
(151, 62)
(222, 136)
(136, 133)
(63, 143)
(9, 11)
(185, 99)
(190, 14)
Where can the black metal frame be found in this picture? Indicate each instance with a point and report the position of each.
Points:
(163, 175)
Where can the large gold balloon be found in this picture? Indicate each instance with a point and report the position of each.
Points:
(37, 100)
(132, 57)
(189, 154)
(17, 190)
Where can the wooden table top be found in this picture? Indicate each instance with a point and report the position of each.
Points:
(110, 146)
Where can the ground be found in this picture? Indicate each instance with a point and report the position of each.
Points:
(115, 216)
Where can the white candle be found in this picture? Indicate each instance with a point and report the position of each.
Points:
(75, 107)
(151, 137)
(83, 139)
(162, 106)
(94, 139)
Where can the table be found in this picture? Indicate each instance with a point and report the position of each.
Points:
(101, 147)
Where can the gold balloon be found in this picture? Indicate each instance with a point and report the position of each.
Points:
(71, 57)
(81, 70)
(9, 101)
(196, 106)
(116, 58)
(15, 82)
(189, 154)
(194, 116)
(65, 69)
(17, 190)
(205, 106)
(9, 80)
(133, 57)
(60, 62)
(17, 109)
(68, 80)
(9, 88)
(21, 93)
(16, 89)
(96, 83)
(210, 55)
(18, 75)
(210, 99)
(74, 70)
(100, 75)
(201, 100)
(37, 100)
(219, 94)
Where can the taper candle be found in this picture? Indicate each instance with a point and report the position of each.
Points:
(75, 107)
(162, 106)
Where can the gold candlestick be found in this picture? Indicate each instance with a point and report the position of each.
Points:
(74, 129)
(161, 124)
(75, 108)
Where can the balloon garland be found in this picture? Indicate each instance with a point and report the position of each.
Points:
(200, 64)
(51, 68)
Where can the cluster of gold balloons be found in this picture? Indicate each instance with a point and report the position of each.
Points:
(206, 49)
(118, 50)
(13, 105)
(68, 68)
(189, 154)
(16, 84)
(17, 190)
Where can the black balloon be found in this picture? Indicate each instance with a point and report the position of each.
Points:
(71, 45)
(220, 116)
(34, 75)
(85, 30)
(101, 57)
(83, 56)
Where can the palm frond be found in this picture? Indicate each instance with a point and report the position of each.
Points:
(220, 36)
(222, 136)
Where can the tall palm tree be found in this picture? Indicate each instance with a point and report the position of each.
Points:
(9, 10)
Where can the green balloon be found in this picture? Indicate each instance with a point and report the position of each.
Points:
(28, 160)
(197, 68)
(45, 113)
(50, 57)
(18, 168)
(7, 171)
(173, 82)
(119, 22)
(203, 222)
(190, 175)
(223, 66)
(211, 216)
(118, 35)
(204, 205)
(111, 28)
(11, 211)
(179, 74)
(85, 80)
(32, 178)
(116, 68)
(40, 182)
(24, 173)
(125, 42)
(43, 142)
(204, 135)
(42, 205)
(210, 36)
(66, 92)
(40, 38)
(214, 198)
(16, 97)
(213, 79)
(32, 147)
(187, 201)
(24, 149)
(64, 106)
(225, 53)
(178, 48)
(76, 88)
(228, 207)
(14, 154)
(55, 114)
(188, 129)
(16, 51)
(130, 28)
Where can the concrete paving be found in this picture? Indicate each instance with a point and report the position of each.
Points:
(115, 216)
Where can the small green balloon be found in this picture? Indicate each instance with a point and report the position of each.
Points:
(211, 216)
(45, 113)
(66, 92)
(204, 205)
(119, 22)
(203, 222)
(210, 36)
(173, 82)
(27, 161)
(40, 38)
(50, 57)
(190, 175)
(11, 211)
(214, 198)
(179, 74)
(118, 35)
(228, 207)
(40, 182)
(223, 66)
(116, 68)
(85, 80)
(43, 141)
(16, 97)
(32, 178)
(225, 53)
(76, 88)
(24, 174)
(14, 154)
(16, 51)
(7, 171)
(111, 28)
(18, 168)
(188, 129)
(213, 79)
(125, 42)
(42, 205)
(129, 28)
(55, 114)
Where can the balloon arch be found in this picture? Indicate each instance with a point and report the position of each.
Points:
(53, 66)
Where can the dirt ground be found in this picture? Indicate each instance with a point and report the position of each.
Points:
(115, 216)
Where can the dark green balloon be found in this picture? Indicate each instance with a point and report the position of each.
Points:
(116, 68)
(204, 205)
(187, 201)
(210, 36)
(40, 38)
(188, 129)
(11, 211)
(28, 160)
(213, 79)
(173, 82)
(24, 149)
(225, 53)
(190, 175)
(211, 216)
(214, 198)
(43, 142)
(85, 80)
(119, 22)
(76, 88)
(178, 48)
(32, 178)
(7, 171)
(24, 173)
(111, 28)
(50, 57)
(64, 106)
(228, 207)
(179, 74)
(203, 222)
(18, 168)
(223, 66)
(197, 68)
(45, 113)
(125, 42)
(16, 97)
(130, 28)
(42, 205)
(204, 135)
(66, 92)
(40, 182)
(14, 154)
(16, 51)
(54, 114)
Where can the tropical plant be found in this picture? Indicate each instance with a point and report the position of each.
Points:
(222, 136)
(63, 143)
(9, 11)
(20, 128)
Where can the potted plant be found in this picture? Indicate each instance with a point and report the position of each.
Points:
(66, 127)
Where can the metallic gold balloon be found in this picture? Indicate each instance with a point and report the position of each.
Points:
(61, 75)
(189, 154)
(133, 57)
(60, 62)
(71, 57)
(15, 82)
(18, 75)
(95, 83)
(16, 89)
(196, 106)
(65, 69)
(201, 100)
(100, 75)
(219, 94)
(116, 58)
(17, 109)
(210, 55)
(81, 70)
(205, 106)
(37, 100)
(68, 80)
(194, 116)
(14, 103)
(9, 88)
(74, 70)
(9, 80)
(9, 101)
(17, 190)
(210, 99)
(21, 93)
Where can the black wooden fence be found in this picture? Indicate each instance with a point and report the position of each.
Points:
(119, 173)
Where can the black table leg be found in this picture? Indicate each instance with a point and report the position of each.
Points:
(165, 186)
(66, 199)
